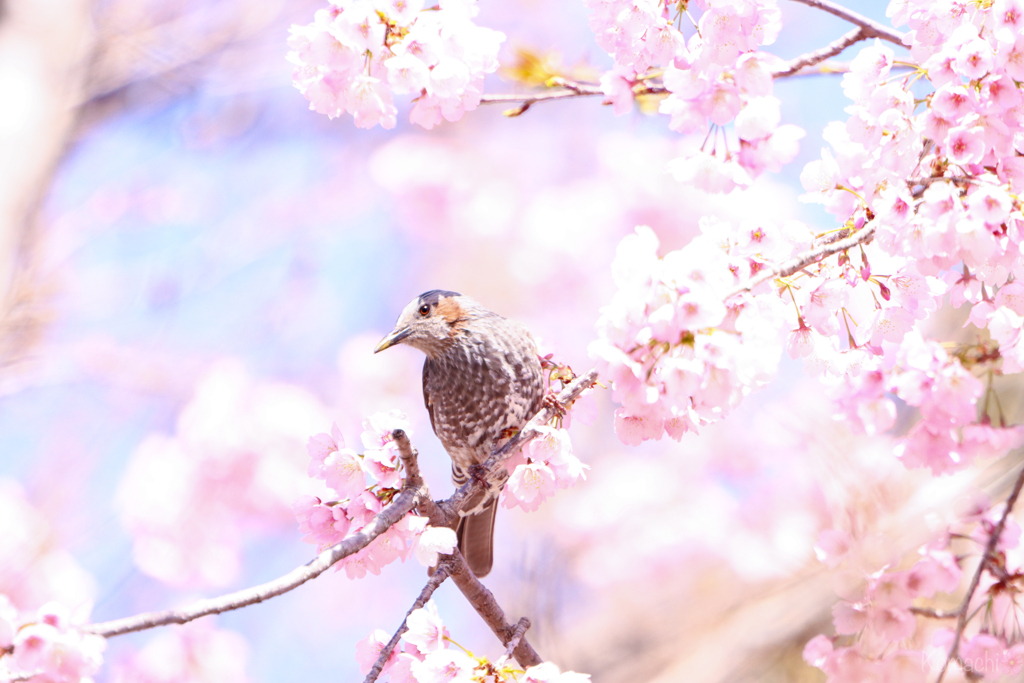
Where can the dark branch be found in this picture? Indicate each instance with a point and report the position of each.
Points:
(487, 607)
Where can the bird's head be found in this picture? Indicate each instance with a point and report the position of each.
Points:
(430, 322)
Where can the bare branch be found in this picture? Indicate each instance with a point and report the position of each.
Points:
(381, 522)
(487, 607)
(871, 28)
(521, 628)
(814, 58)
(990, 551)
(436, 580)
(806, 259)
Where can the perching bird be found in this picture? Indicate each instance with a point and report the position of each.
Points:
(482, 379)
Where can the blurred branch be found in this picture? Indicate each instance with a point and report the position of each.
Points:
(986, 558)
(870, 27)
(487, 607)
(436, 580)
(150, 48)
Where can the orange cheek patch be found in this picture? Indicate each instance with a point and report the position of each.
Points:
(450, 310)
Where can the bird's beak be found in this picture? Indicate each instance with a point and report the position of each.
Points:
(395, 337)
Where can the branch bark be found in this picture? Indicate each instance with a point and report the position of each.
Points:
(517, 635)
(488, 608)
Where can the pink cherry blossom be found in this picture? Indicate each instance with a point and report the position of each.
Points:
(425, 629)
(349, 60)
(529, 486)
(368, 651)
(445, 666)
(432, 542)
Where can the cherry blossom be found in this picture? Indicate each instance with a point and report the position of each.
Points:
(356, 54)
(47, 647)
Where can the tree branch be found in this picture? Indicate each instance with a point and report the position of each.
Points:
(517, 635)
(805, 259)
(990, 550)
(870, 27)
(487, 607)
(818, 56)
(436, 580)
(414, 494)
(381, 522)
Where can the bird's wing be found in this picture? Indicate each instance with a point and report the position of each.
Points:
(426, 394)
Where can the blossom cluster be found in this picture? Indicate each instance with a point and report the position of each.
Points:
(879, 636)
(716, 77)
(679, 354)
(46, 646)
(544, 465)
(426, 658)
(364, 483)
(357, 53)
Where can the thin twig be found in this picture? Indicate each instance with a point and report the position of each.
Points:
(487, 607)
(381, 522)
(436, 580)
(805, 259)
(570, 90)
(517, 636)
(818, 56)
(871, 28)
(990, 549)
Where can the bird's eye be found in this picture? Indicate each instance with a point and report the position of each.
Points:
(424, 309)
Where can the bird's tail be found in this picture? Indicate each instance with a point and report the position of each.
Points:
(476, 536)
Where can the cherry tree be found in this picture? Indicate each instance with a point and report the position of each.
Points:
(899, 309)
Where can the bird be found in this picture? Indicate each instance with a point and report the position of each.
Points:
(482, 381)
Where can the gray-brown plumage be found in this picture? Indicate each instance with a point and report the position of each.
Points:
(482, 379)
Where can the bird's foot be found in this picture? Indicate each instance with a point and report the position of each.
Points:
(550, 401)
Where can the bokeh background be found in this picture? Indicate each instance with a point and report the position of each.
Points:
(196, 266)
